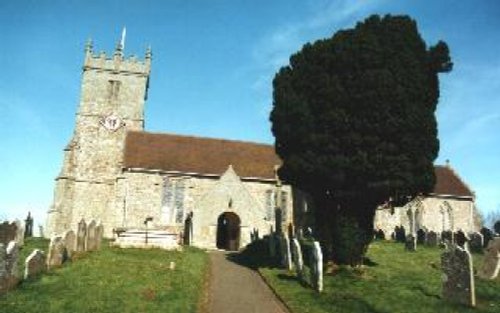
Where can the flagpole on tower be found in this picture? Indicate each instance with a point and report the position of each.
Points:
(122, 41)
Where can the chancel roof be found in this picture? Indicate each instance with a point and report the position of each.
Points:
(197, 155)
(449, 183)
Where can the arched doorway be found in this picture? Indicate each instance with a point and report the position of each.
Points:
(228, 231)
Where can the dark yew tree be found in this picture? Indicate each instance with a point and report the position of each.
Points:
(353, 117)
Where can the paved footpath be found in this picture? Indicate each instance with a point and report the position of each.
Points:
(235, 288)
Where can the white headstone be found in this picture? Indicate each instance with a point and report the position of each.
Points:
(81, 236)
(99, 230)
(297, 258)
(317, 267)
(19, 232)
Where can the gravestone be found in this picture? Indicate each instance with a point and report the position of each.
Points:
(421, 236)
(70, 242)
(411, 243)
(286, 258)
(400, 234)
(458, 278)
(447, 236)
(491, 263)
(40, 230)
(3, 268)
(316, 264)
(8, 232)
(99, 230)
(432, 239)
(297, 258)
(34, 264)
(476, 242)
(19, 232)
(57, 254)
(81, 236)
(379, 234)
(9, 276)
(272, 245)
(90, 244)
(487, 236)
(460, 238)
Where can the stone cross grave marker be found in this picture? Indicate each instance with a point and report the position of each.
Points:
(70, 242)
(91, 236)
(476, 242)
(57, 252)
(316, 263)
(432, 239)
(34, 264)
(411, 243)
(81, 236)
(491, 263)
(297, 258)
(458, 278)
(99, 231)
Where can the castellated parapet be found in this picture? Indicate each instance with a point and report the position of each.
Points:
(113, 93)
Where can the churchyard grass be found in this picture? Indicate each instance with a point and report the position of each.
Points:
(115, 280)
(395, 281)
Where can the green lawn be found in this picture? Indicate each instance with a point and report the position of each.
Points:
(114, 280)
(398, 281)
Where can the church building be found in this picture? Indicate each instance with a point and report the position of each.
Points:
(210, 193)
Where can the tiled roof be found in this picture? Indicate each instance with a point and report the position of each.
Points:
(199, 155)
(449, 183)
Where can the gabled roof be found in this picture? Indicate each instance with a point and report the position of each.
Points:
(449, 183)
(199, 155)
(208, 156)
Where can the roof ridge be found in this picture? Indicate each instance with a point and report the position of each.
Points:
(202, 137)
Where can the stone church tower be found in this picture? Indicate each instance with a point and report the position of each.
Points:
(113, 92)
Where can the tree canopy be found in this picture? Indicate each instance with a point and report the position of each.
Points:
(353, 116)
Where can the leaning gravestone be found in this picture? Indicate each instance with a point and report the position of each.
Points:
(91, 236)
(57, 252)
(99, 230)
(81, 236)
(491, 263)
(411, 243)
(70, 242)
(432, 239)
(34, 264)
(316, 264)
(458, 278)
(297, 258)
(476, 242)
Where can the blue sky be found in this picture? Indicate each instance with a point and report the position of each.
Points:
(213, 63)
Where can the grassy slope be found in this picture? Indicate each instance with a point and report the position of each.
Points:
(115, 280)
(399, 282)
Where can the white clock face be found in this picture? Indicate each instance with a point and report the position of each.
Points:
(112, 122)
